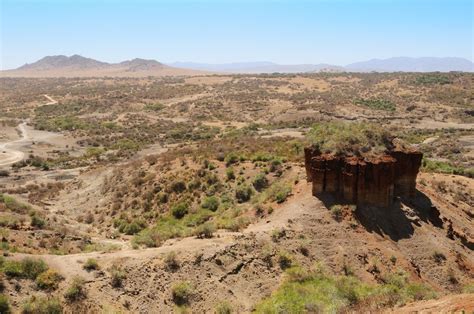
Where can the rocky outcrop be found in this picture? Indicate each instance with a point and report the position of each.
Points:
(364, 181)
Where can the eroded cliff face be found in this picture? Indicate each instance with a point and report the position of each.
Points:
(364, 181)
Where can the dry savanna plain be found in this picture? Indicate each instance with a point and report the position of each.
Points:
(189, 194)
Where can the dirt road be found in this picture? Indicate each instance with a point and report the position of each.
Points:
(9, 153)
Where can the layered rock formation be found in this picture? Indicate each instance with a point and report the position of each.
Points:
(364, 181)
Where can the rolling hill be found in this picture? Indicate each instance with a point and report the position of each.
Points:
(78, 66)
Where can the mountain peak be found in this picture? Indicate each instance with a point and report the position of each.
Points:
(62, 61)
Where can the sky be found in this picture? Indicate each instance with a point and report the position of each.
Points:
(210, 31)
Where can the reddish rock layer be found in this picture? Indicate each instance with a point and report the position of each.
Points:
(362, 181)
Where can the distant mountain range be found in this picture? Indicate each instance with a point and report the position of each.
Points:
(258, 67)
(78, 66)
(405, 64)
(399, 64)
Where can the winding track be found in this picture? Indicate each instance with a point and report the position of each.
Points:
(9, 151)
(10, 155)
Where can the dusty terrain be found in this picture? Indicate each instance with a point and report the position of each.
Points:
(197, 184)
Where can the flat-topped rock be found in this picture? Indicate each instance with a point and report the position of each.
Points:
(373, 180)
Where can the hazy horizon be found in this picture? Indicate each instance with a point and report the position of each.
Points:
(205, 31)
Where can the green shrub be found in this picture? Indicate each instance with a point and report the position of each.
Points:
(469, 288)
(348, 137)
(260, 182)
(178, 186)
(437, 166)
(231, 158)
(129, 227)
(230, 174)
(13, 269)
(336, 212)
(4, 305)
(285, 260)
(117, 276)
(154, 107)
(376, 104)
(181, 292)
(243, 193)
(439, 257)
(279, 192)
(171, 261)
(429, 79)
(14, 205)
(278, 234)
(205, 230)
(37, 221)
(27, 268)
(179, 210)
(223, 308)
(315, 291)
(76, 290)
(48, 280)
(211, 203)
(91, 264)
(42, 305)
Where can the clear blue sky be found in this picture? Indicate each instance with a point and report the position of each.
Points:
(211, 31)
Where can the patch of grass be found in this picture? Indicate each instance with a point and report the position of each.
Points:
(376, 104)
(48, 280)
(230, 174)
(129, 227)
(439, 257)
(181, 292)
(4, 305)
(314, 291)
(430, 79)
(336, 212)
(27, 268)
(37, 221)
(469, 288)
(42, 305)
(260, 182)
(154, 107)
(348, 137)
(101, 247)
(243, 193)
(278, 192)
(211, 203)
(231, 158)
(205, 230)
(223, 308)
(437, 166)
(91, 264)
(12, 204)
(117, 276)
(285, 260)
(76, 290)
(171, 261)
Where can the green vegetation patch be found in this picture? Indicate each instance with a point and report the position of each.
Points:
(314, 291)
(376, 104)
(26, 268)
(437, 166)
(12, 204)
(349, 138)
(431, 79)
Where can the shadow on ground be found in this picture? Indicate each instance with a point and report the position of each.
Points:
(396, 222)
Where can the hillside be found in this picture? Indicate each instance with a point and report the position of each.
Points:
(78, 66)
(195, 194)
